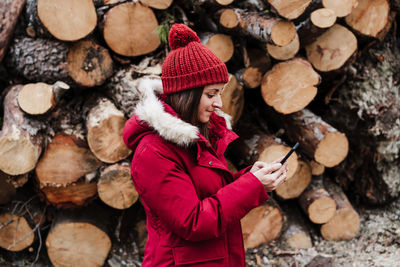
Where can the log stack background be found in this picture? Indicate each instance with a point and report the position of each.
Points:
(321, 73)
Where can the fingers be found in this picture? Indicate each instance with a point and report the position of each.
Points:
(270, 168)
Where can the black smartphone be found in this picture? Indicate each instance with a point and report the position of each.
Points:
(290, 152)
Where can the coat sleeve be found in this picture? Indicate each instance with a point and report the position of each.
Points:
(241, 172)
(169, 192)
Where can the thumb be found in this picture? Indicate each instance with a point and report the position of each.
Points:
(271, 167)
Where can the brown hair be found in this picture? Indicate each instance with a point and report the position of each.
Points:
(186, 103)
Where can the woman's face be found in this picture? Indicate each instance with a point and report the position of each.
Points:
(209, 101)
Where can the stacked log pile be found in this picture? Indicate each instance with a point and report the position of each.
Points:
(321, 73)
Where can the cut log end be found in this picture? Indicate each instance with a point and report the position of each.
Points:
(276, 151)
(283, 33)
(252, 77)
(261, 225)
(17, 156)
(16, 234)
(369, 17)
(290, 9)
(232, 99)
(129, 29)
(322, 210)
(115, 188)
(222, 46)
(77, 244)
(294, 186)
(37, 98)
(89, 64)
(157, 4)
(229, 19)
(290, 86)
(323, 17)
(67, 20)
(341, 8)
(332, 149)
(224, 2)
(327, 54)
(105, 140)
(284, 52)
(343, 226)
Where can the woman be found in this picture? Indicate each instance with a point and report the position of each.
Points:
(192, 201)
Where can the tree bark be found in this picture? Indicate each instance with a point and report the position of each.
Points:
(318, 139)
(21, 139)
(9, 13)
(261, 27)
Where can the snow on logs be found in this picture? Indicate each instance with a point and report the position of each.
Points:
(290, 86)
(261, 27)
(84, 64)
(127, 33)
(20, 138)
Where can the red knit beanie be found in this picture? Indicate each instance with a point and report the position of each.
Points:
(190, 64)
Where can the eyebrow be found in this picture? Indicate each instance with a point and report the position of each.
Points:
(215, 89)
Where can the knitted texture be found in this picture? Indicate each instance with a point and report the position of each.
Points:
(190, 64)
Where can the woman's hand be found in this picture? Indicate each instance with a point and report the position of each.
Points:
(271, 175)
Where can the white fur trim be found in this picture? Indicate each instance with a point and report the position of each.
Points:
(151, 110)
(226, 116)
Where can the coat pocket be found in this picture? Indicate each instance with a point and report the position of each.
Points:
(212, 251)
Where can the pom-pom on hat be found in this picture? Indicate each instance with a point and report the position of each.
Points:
(190, 64)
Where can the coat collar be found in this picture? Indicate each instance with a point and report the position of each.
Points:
(153, 112)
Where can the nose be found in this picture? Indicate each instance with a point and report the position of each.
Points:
(218, 102)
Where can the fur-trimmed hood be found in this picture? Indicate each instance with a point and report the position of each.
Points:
(152, 114)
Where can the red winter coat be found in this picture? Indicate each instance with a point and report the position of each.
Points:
(193, 202)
